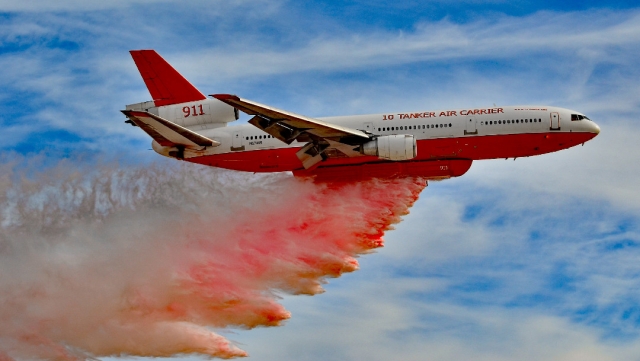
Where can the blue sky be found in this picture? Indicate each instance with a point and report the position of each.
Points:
(532, 259)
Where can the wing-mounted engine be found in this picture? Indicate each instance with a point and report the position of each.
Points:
(391, 147)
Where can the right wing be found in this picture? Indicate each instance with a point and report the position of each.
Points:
(166, 133)
(288, 126)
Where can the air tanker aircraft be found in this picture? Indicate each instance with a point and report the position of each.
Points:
(433, 144)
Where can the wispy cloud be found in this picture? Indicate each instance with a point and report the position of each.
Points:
(532, 259)
(66, 78)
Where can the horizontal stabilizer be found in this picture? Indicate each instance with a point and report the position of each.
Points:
(166, 133)
(165, 84)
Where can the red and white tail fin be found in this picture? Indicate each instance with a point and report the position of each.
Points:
(165, 84)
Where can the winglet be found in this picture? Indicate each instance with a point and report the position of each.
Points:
(165, 84)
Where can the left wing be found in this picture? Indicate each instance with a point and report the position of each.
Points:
(323, 139)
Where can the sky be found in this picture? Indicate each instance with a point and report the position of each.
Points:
(530, 259)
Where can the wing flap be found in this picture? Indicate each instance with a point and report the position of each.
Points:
(166, 133)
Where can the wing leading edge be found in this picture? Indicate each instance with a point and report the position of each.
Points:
(324, 140)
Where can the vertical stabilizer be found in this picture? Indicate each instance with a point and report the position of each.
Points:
(165, 84)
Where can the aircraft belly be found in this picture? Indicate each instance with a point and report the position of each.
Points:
(431, 170)
(263, 160)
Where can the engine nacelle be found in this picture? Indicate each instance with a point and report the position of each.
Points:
(201, 114)
(391, 147)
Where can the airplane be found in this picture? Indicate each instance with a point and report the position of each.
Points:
(433, 144)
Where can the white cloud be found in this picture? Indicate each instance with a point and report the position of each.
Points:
(582, 60)
(606, 168)
(589, 35)
(378, 320)
(97, 80)
(68, 5)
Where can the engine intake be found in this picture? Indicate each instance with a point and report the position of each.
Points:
(391, 147)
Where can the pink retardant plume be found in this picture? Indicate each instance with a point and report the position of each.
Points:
(111, 261)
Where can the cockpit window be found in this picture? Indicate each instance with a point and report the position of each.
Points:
(578, 117)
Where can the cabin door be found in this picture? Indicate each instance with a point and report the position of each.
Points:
(236, 141)
(555, 121)
(471, 127)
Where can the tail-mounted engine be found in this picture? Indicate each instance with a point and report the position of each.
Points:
(200, 114)
(391, 147)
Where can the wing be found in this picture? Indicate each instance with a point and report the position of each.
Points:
(323, 139)
(166, 133)
(288, 126)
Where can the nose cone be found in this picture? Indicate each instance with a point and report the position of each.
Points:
(595, 129)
